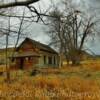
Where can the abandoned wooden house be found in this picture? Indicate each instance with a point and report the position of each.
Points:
(31, 53)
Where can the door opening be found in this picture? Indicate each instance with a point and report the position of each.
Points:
(21, 63)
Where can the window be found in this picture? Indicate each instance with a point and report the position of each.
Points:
(54, 60)
(44, 59)
(12, 59)
(29, 58)
(26, 58)
(49, 60)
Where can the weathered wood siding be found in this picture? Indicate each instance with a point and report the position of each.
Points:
(28, 62)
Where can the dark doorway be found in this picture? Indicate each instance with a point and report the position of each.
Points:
(21, 63)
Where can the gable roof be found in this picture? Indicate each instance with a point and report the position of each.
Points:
(41, 46)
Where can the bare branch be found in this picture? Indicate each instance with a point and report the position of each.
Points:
(18, 3)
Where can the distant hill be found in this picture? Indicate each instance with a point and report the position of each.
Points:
(97, 56)
(3, 54)
(86, 55)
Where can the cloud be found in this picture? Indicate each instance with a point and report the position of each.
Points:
(35, 31)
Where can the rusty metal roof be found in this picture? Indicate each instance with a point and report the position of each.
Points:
(41, 46)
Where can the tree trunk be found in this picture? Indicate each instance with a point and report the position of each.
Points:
(60, 60)
(68, 61)
(76, 61)
(8, 76)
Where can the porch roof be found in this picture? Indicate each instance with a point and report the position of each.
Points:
(26, 54)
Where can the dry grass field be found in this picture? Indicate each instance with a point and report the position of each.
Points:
(67, 83)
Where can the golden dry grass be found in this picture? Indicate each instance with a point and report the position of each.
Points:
(67, 83)
(50, 88)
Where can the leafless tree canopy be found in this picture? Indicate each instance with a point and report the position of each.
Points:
(69, 30)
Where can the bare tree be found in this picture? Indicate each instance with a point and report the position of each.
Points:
(7, 15)
(69, 31)
(17, 3)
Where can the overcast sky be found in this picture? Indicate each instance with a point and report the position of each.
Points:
(90, 6)
(38, 32)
